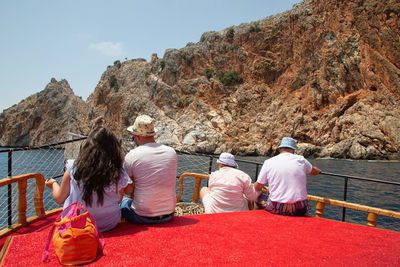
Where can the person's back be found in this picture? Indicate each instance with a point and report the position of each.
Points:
(228, 188)
(106, 214)
(287, 179)
(286, 175)
(96, 178)
(154, 168)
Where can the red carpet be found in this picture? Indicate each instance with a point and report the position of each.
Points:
(41, 225)
(254, 238)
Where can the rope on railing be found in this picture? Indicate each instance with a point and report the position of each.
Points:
(42, 147)
(360, 178)
(346, 179)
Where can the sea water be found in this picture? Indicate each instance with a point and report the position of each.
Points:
(361, 192)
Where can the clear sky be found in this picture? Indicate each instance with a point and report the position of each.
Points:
(77, 39)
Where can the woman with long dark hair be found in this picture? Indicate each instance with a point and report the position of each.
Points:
(96, 178)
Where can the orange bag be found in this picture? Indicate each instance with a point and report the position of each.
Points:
(75, 237)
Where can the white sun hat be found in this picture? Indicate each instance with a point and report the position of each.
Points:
(227, 159)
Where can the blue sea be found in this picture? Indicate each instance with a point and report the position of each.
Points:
(51, 163)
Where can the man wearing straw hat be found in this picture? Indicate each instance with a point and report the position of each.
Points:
(286, 175)
(229, 189)
(152, 168)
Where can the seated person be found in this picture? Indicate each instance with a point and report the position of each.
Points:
(96, 179)
(228, 188)
(152, 167)
(286, 175)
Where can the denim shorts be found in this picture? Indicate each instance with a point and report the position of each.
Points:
(131, 216)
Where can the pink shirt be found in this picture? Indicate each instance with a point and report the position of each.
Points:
(153, 167)
(227, 186)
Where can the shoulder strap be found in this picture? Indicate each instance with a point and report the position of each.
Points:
(99, 236)
(45, 254)
(71, 210)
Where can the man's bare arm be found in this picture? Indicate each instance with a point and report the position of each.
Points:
(315, 171)
(258, 186)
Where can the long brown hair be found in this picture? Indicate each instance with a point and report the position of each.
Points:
(98, 164)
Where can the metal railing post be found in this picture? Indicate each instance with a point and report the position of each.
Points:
(210, 165)
(346, 180)
(255, 176)
(9, 174)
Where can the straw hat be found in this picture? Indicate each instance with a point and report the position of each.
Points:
(227, 159)
(143, 126)
(288, 142)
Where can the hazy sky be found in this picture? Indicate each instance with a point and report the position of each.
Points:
(77, 39)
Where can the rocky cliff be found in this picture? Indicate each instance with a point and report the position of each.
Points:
(326, 73)
(44, 118)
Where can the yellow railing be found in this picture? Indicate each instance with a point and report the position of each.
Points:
(22, 181)
(372, 217)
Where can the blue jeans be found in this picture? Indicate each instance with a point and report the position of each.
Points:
(130, 215)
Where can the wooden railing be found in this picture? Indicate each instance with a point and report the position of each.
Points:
(373, 213)
(196, 192)
(372, 217)
(41, 213)
(22, 181)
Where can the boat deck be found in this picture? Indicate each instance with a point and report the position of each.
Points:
(253, 238)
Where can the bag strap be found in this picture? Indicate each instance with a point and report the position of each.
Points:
(72, 208)
(74, 219)
(45, 254)
(99, 236)
(70, 205)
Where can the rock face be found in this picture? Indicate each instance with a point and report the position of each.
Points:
(44, 118)
(326, 73)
